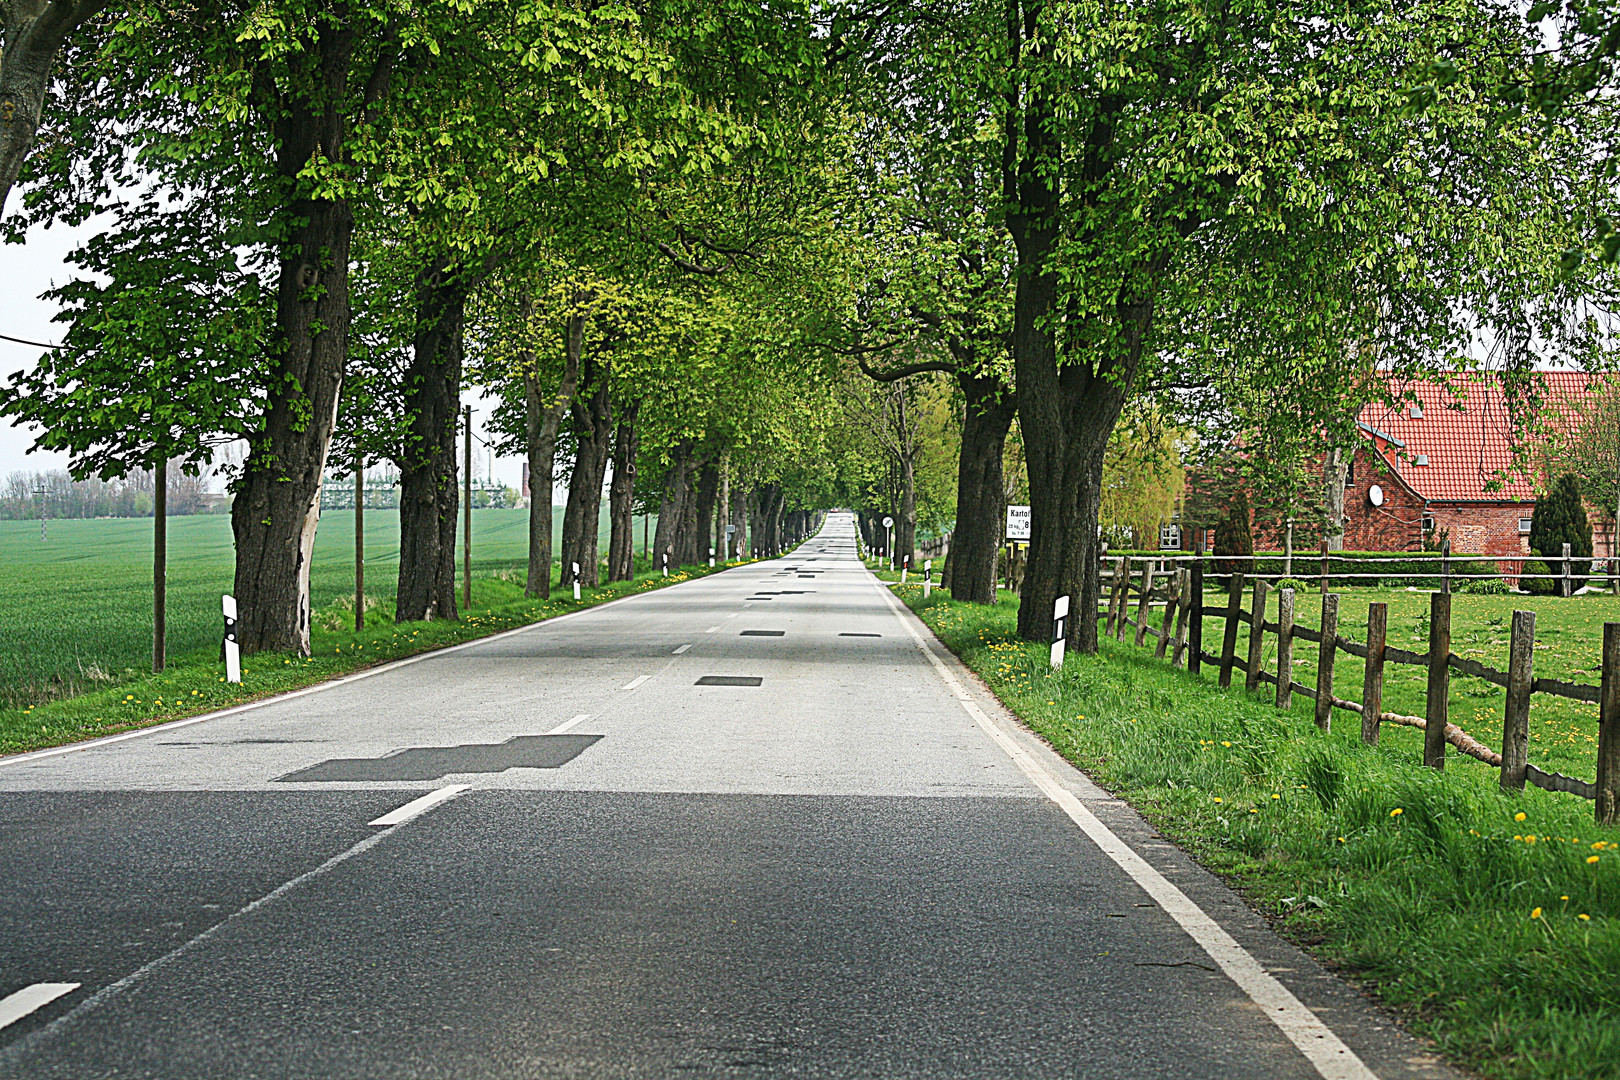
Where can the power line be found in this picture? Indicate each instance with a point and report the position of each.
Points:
(25, 341)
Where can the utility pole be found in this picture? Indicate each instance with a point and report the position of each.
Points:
(160, 562)
(40, 491)
(466, 549)
(359, 540)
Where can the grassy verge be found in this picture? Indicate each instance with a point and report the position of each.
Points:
(195, 683)
(1492, 922)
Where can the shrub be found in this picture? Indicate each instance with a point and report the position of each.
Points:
(1493, 587)
(1560, 518)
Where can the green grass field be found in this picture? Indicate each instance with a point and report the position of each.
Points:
(79, 605)
(1490, 921)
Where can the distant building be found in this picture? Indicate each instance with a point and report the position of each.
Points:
(1443, 462)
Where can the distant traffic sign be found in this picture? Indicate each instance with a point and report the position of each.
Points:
(888, 523)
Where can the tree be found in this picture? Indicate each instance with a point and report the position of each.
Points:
(34, 33)
(1558, 519)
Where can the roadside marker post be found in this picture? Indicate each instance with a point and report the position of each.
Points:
(928, 577)
(666, 564)
(905, 568)
(576, 579)
(711, 558)
(1060, 616)
(233, 651)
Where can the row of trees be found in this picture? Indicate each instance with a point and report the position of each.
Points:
(752, 260)
(55, 494)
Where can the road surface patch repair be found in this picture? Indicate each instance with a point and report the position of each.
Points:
(729, 680)
(762, 633)
(432, 762)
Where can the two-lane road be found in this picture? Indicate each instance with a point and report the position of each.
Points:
(758, 824)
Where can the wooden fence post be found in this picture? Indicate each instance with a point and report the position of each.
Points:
(1122, 596)
(1145, 604)
(1608, 762)
(1324, 661)
(1234, 605)
(1324, 567)
(1438, 700)
(1183, 607)
(1372, 678)
(1445, 566)
(1285, 648)
(1564, 573)
(1257, 635)
(1516, 717)
(1171, 593)
(1195, 629)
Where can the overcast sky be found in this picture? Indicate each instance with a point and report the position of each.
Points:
(30, 269)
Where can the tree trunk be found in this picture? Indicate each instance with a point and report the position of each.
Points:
(722, 515)
(708, 489)
(542, 420)
(593, 432)
(277, 504)
(676, 481)
(981, 498)
(1335, 475)
(622, 498)
(905, 523)
(34, 33)
(428, 497)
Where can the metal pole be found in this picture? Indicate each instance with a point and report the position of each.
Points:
(160, 562)
(359, 540)
(466, 533)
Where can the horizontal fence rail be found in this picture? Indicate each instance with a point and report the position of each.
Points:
(1178, 583)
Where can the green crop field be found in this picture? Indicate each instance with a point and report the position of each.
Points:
(79, 605)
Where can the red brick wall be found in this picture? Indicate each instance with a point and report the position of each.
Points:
(1395, 526)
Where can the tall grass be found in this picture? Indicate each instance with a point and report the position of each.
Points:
(1490, 920)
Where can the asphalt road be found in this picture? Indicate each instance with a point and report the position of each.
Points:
(755, 825)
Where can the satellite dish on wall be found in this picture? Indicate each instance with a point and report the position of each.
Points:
(1375, 495)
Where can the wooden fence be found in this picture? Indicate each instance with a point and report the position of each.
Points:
(1330, 568)
(1180, 637)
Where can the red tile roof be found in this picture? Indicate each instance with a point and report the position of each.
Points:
(1466, 434)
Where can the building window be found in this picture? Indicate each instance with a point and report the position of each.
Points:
(1170, 538)
(1524, 525)
(1428, 523)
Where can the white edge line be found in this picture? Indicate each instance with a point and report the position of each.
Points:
(13, 1007)
(417, 806)
(635, 682)
(91, 744)
(560, 728)
(1332, 1059)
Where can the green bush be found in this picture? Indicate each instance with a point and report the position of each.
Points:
(1493, 587)
(1559, 519)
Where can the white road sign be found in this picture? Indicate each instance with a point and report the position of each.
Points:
(1018, 523)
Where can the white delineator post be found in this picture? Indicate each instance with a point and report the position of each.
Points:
(928, 577)
(233, 651)
(666, 563)
(1060, 615)
(905, 568)
(711, 558)
(576, 579)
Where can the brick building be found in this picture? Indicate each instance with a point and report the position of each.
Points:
(1443, 460)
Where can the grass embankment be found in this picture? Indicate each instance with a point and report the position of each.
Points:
(1491, 921)
(195, 682)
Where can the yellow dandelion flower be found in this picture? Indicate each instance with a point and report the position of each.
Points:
(1519, 816)
(1592, 858)
(1584, 917)
(1218, 799)
(1397, 812)
(1225, 743)
(1536, 914)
